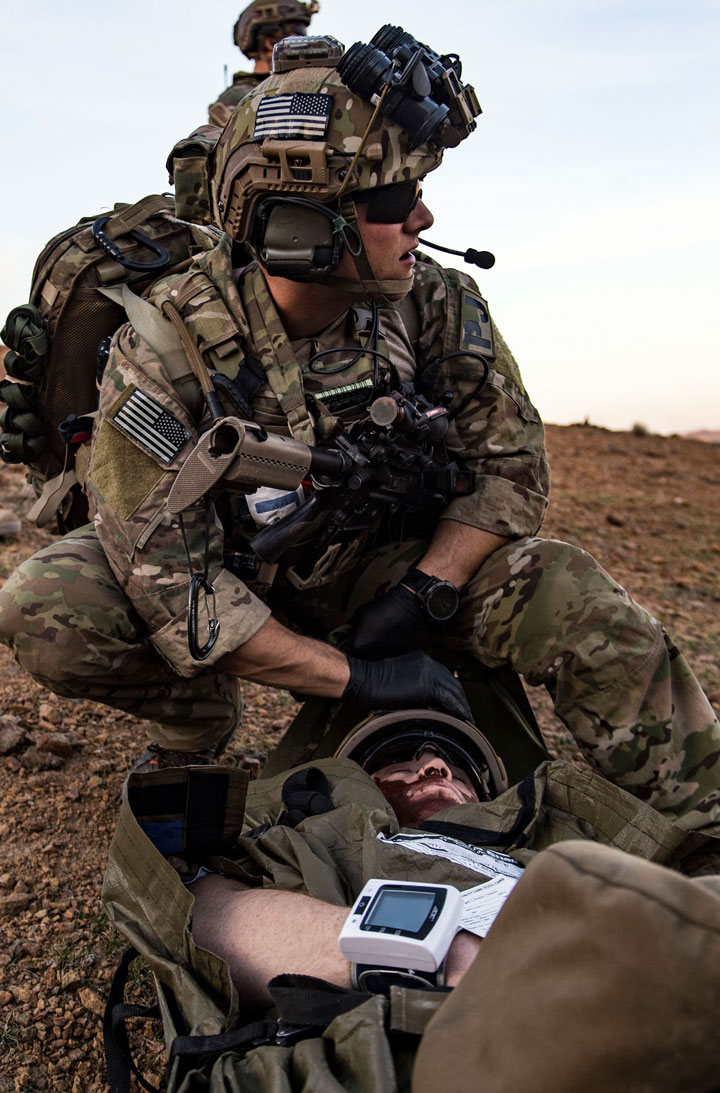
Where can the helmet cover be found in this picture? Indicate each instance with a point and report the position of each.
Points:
(264, 17)
(297, 133)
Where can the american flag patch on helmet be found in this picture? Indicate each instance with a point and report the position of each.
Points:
(150, 425)
(302, 115)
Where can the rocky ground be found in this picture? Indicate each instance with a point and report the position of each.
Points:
(646, 506)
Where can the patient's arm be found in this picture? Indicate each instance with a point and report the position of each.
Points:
(263, 932)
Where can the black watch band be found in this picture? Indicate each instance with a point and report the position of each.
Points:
(439, 599)
(379, 978)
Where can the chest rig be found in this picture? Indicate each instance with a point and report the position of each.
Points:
(316, 387)
(311, 390)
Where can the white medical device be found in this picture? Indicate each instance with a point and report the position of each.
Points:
(400, 924)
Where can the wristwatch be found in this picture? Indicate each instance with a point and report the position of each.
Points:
(439, 599)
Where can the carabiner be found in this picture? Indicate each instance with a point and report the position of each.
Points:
(115, 251)
(199, 583)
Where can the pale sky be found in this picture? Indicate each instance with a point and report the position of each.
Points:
(593, 175)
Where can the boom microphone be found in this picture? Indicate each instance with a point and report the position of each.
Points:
(482, 258)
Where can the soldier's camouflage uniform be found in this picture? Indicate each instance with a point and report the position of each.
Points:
(242, 83)
(543, 607)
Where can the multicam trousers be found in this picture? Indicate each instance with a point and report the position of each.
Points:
(542, 607)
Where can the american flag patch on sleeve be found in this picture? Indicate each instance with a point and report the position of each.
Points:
(149, 424)
(301, 115)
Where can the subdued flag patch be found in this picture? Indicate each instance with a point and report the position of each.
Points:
(299, 115)
(148, 423)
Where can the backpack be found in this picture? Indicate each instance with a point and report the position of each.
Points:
(59, 341)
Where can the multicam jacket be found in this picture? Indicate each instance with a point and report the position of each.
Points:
(498, 434)
(242, 84)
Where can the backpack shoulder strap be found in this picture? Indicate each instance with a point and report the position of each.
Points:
(153, 328)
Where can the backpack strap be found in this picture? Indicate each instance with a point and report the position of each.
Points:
(153, 328)
(515, 836)
(119, 1061)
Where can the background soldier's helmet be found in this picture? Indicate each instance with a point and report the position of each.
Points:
(267, 17)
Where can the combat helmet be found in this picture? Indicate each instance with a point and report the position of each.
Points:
(382, 739)
(326, 130)
(266, 17)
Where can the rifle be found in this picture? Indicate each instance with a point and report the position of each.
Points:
(394, 457)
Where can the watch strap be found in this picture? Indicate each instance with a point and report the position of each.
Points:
(418, 582)
(379, 978)
(423, 585)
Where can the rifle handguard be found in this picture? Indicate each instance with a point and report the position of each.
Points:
(243, 455)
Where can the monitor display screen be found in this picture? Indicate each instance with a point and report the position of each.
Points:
(396, 909)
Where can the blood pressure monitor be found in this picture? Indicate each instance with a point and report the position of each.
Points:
(399, 924)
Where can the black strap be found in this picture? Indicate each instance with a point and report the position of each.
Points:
(306, 1000)
(119, 1062)
(480, 836)
(192, 1049)
(305, 793)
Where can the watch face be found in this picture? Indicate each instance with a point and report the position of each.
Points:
(442, 601)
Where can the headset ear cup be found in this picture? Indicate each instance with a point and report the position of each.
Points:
(296, 238)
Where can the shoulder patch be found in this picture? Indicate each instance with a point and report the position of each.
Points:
(150, 425)
(476, 330)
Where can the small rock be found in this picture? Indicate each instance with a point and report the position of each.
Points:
(56, 743)
(5, 998)
(15, 902)
(33, 759)
(91, 1000)
(70, 979)
(11, 736)
(48, 712)
(22, 995)
(615, 520)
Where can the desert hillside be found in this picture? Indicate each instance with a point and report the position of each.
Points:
(645, 506)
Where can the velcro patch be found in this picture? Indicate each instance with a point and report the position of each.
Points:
(476, 328)
(151, 426)
(302, 115)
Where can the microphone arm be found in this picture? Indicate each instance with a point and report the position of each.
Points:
(482, 258)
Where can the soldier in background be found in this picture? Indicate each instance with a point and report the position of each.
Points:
(258, 28)
(9, 521)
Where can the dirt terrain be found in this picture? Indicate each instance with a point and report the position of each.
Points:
(645, 506)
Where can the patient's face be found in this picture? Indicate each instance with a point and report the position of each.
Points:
(418, 788)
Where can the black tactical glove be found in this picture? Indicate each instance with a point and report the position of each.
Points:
(413, 680)
(389, 625)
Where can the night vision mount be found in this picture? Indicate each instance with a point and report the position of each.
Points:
(416, 87)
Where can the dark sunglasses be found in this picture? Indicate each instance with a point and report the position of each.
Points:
(390, 204)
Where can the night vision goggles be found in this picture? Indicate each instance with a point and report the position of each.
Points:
(415, 87)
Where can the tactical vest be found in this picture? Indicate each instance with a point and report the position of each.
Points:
(233, 332)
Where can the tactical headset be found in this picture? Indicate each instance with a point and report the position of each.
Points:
(304, 241)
